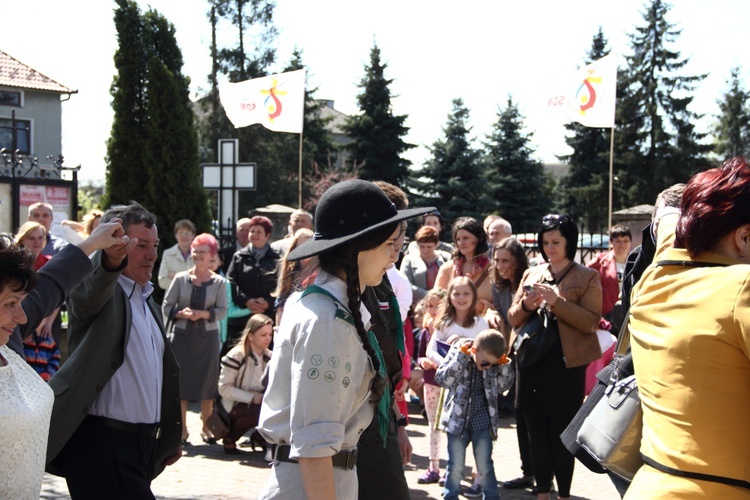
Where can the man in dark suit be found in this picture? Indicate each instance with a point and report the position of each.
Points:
(116, 419)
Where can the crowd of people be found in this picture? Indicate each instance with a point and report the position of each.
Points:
(266, 335)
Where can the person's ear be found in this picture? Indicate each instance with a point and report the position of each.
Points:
(742, 240)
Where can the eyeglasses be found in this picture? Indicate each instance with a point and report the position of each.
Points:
(502, 360)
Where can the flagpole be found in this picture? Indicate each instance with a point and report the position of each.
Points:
(611, 161)
(299, 174)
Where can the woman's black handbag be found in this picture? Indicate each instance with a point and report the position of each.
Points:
(536, 338)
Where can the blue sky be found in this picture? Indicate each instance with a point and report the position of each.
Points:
(436, 51)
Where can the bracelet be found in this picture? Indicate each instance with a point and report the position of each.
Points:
(402, 422)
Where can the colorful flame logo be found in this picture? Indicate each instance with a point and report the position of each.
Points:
(586, 93)
(272, 103)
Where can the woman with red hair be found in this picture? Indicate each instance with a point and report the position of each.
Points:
(195, 303)
(253, 273)
(690, 339)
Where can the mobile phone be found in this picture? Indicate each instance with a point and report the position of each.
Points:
(528, 288)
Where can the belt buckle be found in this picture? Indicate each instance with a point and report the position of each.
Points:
(351, 458)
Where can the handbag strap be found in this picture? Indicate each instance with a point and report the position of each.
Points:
(695, 475)
(482, 277)
(563, 274)
(689, 263)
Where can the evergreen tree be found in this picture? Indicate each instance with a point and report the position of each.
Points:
(124, 176)
(657, 118)
(732, 128)
(276, 154)
(152, 151)
(171, 146)
(316, 140)
(376, 131)
(251, 21)
(452, 179)
(584, 191)
(516, 181)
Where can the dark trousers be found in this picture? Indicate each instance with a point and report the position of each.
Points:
(548, 455)
(99, 462)
(379, 470)
(522, 434)
(524, 450)
(242, 418)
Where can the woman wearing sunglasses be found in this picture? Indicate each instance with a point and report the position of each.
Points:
(550, 392)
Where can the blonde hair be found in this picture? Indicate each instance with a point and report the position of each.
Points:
(447, 312)
(26, 229)
(255, 323)
(89, 219)
(287, 267)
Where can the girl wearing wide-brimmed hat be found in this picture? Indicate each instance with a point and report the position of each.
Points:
(327, 375)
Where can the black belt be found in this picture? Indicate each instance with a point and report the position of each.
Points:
(148, 430)
(346, 459)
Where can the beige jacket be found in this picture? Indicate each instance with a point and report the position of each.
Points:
(237, 375)
(578, 311)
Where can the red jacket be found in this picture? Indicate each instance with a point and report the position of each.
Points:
(604, 264)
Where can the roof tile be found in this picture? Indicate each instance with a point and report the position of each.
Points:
(14, 73)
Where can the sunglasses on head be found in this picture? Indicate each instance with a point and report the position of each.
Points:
(555, 218)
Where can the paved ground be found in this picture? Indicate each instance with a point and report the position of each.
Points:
(205, 472)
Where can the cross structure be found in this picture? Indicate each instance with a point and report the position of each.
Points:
(227, 177)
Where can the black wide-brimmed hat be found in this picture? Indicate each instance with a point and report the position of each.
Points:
(348, 210)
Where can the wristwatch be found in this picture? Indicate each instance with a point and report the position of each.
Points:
(401, 422)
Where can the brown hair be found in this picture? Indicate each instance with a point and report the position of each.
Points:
(262, 221)
(184, 224)
(394, 193)
(515, 248)
(491, 341)
(447, 312)
(427, 234)
(16, 267)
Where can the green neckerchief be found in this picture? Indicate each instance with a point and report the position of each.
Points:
(399, 324)
(384, 404)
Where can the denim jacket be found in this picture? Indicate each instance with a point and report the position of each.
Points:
(455, 376)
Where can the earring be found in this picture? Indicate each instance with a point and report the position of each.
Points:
(742, 253)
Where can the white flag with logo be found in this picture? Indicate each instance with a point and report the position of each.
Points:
(277, 101)
(589, 97)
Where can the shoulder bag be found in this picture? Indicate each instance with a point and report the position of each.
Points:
(611, 432)
(538, 335)
(536, 338)
(218, 421)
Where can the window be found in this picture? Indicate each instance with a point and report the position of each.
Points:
(10, 98)
(22, 135)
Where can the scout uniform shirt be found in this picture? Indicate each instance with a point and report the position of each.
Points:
(317, 399)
